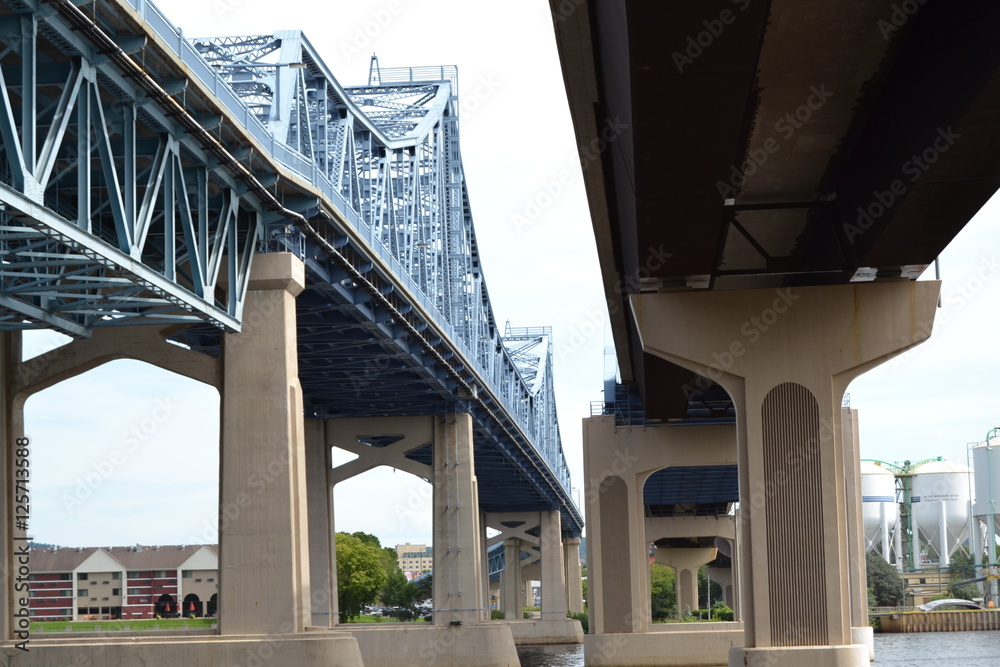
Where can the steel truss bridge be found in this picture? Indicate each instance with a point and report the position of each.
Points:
(140, 172)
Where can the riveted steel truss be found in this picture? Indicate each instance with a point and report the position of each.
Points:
(390, 153)
(111, 210)
(138, 176)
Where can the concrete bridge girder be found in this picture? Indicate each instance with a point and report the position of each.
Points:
(658, 528)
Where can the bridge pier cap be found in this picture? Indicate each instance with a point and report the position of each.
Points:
(274, 271)
(786, 357)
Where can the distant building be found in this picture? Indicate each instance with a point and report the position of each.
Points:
(123, 582)
(415, 558)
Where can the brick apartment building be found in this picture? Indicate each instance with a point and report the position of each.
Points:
(70, 584)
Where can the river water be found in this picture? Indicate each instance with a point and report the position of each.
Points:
(919, 649)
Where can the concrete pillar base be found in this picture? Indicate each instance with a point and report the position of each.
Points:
(533, 633)
(418, 644)
(667, 644)
(853, 655)
(866, 637)
(299, 650)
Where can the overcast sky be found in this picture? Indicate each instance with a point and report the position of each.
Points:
(128, 454)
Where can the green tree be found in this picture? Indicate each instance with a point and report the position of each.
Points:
(663, 597)
(367, 538)
(961, 569)
(360, 574)
(885, 582)
(403, 596)
(387, 555)
(716, 590)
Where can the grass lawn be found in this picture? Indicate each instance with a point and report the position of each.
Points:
(118, 626)
(380, 619)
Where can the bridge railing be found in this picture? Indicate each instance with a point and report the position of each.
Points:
(461, 310)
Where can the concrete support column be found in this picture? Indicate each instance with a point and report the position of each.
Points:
(322, 560)
(737, 569)
(617, 565)
(511, 586)
(574, 576)
(263, 534)
(724, 577)
(457, 570)
(685, 563)
(11, 428)
(786, 357)
(553, 567)
(861, 632)
(484, 557)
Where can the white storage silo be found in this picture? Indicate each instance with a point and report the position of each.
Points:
(879, 510)
(939, 496)
(986, 476)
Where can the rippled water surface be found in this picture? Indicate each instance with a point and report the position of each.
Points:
(551, 656)
(968, 649)
(921, 649)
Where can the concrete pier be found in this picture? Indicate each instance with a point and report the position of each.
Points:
(679, 644)
(617, 463)
(786, 358)
(422, 644)
(555, 564)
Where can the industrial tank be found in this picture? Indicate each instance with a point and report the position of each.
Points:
(939, 496)
(986, 464)
(879, 511)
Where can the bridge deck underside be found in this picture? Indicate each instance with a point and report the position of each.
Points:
(693, 490)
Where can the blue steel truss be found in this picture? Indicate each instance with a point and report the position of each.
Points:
(139, 173)
(390, 152)
(117, 206)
